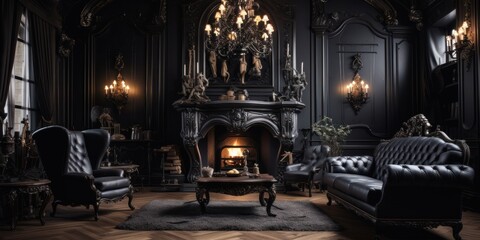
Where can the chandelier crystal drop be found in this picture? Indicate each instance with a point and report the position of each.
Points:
(236, 30)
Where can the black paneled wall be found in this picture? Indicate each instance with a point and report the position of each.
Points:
(153, 44)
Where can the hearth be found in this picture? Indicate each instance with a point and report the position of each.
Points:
(224, 150)
(266, 129)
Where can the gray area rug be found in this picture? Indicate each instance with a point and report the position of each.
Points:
(229, 215)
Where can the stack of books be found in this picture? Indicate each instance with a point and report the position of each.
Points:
(173, 163)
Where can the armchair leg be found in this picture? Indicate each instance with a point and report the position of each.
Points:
(310, 188)
(96, 206)
(54, 208)
(130, 198)
(456, 228)
(329, 203)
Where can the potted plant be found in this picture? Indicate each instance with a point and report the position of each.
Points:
(330, 134)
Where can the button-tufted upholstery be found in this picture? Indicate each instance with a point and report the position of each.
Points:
(415, 150)
(71, 160)
(416, 178)
(309, 169)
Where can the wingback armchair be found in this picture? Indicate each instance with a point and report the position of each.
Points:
(72, 159)
(310, 170)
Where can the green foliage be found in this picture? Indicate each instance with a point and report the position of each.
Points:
(330, 134)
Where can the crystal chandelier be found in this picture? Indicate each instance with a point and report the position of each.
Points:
(236, 30)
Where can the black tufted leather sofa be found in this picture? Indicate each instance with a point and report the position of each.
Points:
(413, 181)
(308, 171)
(72, 159)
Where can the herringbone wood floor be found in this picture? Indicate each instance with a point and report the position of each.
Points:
(78, 223)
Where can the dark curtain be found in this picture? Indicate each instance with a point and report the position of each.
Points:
(10, 22)
(43, 42)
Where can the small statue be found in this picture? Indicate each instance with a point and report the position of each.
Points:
(257, 66)
(298, 86)
(26, 126)
(186, 86)
(213, 63)
(106, 119)
(245, 153)
(256, 170)
(225, 74)
(198, 91)
(243, 69)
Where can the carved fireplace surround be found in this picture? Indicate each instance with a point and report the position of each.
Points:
(279, 118)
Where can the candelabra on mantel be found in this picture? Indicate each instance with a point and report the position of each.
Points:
(117, 92)
(459, 44)
(357, 90)
(194, 82)
(237, 30)
(295, 81)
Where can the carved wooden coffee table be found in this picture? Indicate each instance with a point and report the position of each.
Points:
(237, 186)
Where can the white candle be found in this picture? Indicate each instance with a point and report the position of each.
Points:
(288, 49)
(184, 69)
(198, 68)
(449, 42)
(301, 69)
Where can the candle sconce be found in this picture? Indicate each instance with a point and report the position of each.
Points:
(357, 90)
(459, 44)
(117, 92)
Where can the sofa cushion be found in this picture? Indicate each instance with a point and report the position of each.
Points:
(296, 175)
(109, 183)
(415, 151)
(361, 187)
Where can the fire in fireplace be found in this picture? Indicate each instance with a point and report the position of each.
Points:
(233, 155)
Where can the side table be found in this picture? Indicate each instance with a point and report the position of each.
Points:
(29, 187)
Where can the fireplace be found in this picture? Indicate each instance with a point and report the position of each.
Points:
(265, 129)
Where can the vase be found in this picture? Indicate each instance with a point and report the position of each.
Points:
(207, 171)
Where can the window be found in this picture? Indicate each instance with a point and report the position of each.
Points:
(20, 102)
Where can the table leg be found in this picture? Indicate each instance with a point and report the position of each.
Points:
(203, 198)
(272, 195)
(12, 199)
(47, 194)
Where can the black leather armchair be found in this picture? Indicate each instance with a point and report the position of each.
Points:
(310, 170)
(72, 159)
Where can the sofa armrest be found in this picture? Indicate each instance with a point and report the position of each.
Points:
(456, 176)
(349, 164)
(293, 167)
(423, 191)
(79, 181)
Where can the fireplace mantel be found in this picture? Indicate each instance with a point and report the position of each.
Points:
(280, 118)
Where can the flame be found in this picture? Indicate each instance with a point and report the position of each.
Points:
(235, 151)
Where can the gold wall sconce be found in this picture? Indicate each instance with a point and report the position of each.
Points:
(459, 43)
(117, 92)
(357, 90)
